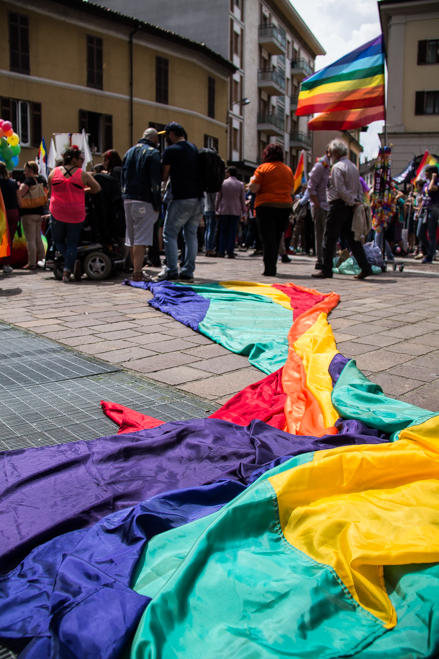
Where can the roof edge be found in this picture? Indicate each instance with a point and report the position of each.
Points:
(297, 21)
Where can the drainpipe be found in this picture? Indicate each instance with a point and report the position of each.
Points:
(132, 85)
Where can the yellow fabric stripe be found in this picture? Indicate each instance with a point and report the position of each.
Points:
(347, 85)
(317, 348)
(357, 509)
(259, 289)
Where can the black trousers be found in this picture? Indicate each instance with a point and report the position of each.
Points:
(272, 222)
(339, 223)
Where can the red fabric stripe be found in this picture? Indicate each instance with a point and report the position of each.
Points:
(346, 120)
(361, 98)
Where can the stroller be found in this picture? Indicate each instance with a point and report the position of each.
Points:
(100, 249)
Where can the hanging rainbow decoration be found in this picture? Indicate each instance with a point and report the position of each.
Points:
(348, 93)
(299, 520)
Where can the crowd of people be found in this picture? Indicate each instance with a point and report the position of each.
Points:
(166, 210)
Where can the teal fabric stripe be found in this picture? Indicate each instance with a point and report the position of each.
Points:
(229, 585)
(355, 397)
(247, 324)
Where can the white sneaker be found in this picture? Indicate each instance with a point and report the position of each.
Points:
(7, 269)
(165, 276)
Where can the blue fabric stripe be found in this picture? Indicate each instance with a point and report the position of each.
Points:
(180, 302)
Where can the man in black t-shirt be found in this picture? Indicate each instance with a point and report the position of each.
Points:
(180, 163)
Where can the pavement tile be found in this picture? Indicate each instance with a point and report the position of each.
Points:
(104, 346)
(112, 327)
(207, 351)
(410, 348)
(48, 329)
(352, 350)
(181, 331)
(79, 340)
(145, 315)
(410, 331)
(121, 334)
(378, 340)
(430, 340)
(430, 360)
(364, 329)
(160, 362)
(144, 339)
(126, 355)
(227, 384)
(425, 397)
(422, 373)
(381, 360)
(340, 337)
(178, 375)
(198, 339)
(45, 322)
(168, 346)
(67, 334)
(224, 364)
(342, 323)
(394, 385)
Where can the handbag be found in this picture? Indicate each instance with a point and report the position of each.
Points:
(35, 197)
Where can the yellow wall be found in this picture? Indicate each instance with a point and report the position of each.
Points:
(58, 53)
(424, 77)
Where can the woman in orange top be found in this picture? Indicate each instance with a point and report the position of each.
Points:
(273, 183)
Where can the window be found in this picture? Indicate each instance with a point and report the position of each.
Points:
(161, 80)
(95, 63)
(427, 103)
(211, 97)
(236, 43)
(428, 51)
(99, 128)
(19, 61)
(353, 157)
(25, 118)
(211, 142)
(235, 139)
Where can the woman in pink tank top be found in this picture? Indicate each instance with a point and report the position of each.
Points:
(68, 185)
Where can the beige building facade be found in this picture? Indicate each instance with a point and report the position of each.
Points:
(273, 50)
(411, 33)
(69, 66)
(350, 137)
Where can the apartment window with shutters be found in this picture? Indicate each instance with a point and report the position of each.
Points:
(26, 119)
(427, 103)
(162, 80)
(236, 43)
(211, 142)
(95, 63)
(99, 128)
(428, 51)
(19, 60)
(211, 97)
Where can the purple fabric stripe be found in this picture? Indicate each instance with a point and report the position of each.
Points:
(336, 366)
(180, 302)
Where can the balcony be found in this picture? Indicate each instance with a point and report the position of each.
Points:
(294, 100)
(271, 124)
(300, 140)
(272, 39)
(271, 81)
(301, 69)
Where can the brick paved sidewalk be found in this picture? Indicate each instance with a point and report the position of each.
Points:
(388, 323)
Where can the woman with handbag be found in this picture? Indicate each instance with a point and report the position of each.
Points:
(33, 199)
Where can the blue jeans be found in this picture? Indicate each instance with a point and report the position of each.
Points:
(229, 224)
(66, 238)
(210, 234)
(429, 246)
(183, 214)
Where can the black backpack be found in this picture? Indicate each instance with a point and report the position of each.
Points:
(212, 169)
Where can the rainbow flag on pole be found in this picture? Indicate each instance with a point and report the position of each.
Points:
(299, 173)
(345, 88)
(427, 159)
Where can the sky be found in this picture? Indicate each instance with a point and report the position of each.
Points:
(342, 26)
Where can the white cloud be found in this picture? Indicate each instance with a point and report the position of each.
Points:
(342, 26)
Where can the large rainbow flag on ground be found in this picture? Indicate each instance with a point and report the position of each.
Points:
(348, 93)
(299, 520)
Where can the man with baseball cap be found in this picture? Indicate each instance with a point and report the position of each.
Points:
(180, 163)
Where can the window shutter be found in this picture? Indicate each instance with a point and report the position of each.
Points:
(83, 121)
(419, 103)
(108, 132)
(6, 109)
(37, 130)
(422, 52)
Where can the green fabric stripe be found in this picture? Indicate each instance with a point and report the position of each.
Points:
(356, 397)
(342, 77)
(247, 324)
(231, 586)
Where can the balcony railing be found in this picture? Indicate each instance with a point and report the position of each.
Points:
(270, 76)
(294, 100)
(301, 66)
(301, 139)
(273, 120)
(272, 39)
